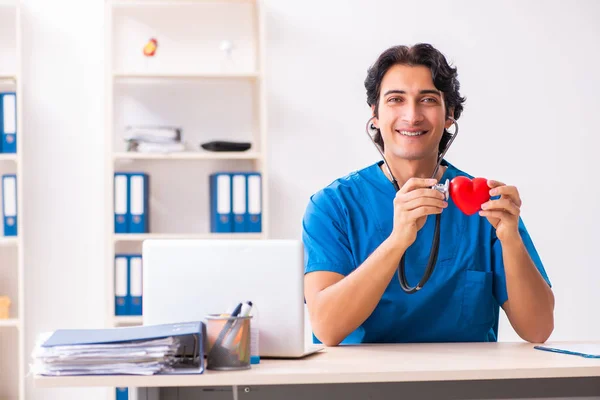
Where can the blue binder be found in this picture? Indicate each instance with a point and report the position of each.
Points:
(191, 335)
(9, 204)
(239, 202)
(122, 393)
(8, 125)
(139, 193)
(254, 208)
(135, 284)
(121, 202)
(121, 284)
(220, 203)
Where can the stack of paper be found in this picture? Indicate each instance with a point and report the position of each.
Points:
(154, 139)
(135, 358)
(146, 350)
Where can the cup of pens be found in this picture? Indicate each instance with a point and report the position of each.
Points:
(228, 346)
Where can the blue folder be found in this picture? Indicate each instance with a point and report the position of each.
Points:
(135, 284)
(8, 122)
(122, 393)
(121, 202)
(139, 203)
(221, 214)
(191, 334)
(587, 350)
(254, 201)
(9, 204)
(121, 284)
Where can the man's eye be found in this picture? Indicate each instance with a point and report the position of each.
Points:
(430, 100)
(394, 99)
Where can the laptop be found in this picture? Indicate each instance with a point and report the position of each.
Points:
(186, 280)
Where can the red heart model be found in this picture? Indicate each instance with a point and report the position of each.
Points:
(469, 195)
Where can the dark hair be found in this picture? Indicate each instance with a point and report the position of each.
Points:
(443, 75)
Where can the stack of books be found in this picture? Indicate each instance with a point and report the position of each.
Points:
(144, 350)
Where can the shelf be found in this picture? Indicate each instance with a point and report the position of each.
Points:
(163, 3)
(189, 155)
(8, 157)
(132, 237)
(11, 322)
(191, 75)
(8, 241)
(127, 320)
(8, 80)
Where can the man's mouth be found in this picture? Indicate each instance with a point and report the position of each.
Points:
(411, 132)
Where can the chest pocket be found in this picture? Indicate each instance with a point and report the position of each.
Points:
(478, 300)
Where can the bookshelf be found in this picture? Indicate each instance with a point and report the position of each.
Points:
(207, 77)
(12, 330)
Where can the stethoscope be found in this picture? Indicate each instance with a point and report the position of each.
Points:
(442, 188)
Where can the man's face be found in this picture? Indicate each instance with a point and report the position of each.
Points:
(412, 114)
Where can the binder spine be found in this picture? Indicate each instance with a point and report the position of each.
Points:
(139, 203)
(254, 217)
(239, 202)
(122, 393)
(121, 285)
(9, 122)
(135, 286)
(220, 203)
(121, 203)
(9, 204)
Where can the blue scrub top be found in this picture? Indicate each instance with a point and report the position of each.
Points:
(347, 220)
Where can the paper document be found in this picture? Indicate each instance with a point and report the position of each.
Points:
(588, 350)
(144, 350)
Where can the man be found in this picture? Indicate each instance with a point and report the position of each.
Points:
(356, 230)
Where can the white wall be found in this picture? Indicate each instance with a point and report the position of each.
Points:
(528, 69)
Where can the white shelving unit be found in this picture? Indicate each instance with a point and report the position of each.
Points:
(208, 78)
(12, 330)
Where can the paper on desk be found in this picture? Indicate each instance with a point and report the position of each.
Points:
(587, 350)
(133, 358)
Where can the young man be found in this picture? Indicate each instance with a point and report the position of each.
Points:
(356, 230)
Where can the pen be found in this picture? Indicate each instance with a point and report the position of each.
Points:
(227, 326)
(244, 312)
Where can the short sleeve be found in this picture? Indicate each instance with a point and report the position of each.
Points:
(500, 292)
(324, 235)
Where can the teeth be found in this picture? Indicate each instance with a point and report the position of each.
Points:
(407, 133)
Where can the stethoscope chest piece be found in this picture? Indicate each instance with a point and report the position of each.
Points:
(443, 188)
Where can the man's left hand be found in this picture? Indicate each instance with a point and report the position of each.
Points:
(504, 212)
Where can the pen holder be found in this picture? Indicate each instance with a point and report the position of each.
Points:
(228, 345)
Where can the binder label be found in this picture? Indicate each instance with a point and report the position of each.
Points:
(9, 104)
(223, 195)
(239, 197)
(10, 198)
(254, 195)
(136, 276)
(121, 279)
(121, 195)
(137, 196)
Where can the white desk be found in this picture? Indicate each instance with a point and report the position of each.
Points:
(401, 363)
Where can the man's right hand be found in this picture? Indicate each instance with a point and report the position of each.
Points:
(413, 203)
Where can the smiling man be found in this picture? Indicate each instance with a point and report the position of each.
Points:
(356, 230)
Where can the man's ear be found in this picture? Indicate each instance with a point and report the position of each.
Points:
(449, 122)
(374, 121)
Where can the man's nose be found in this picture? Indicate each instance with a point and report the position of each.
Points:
(411, 114)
